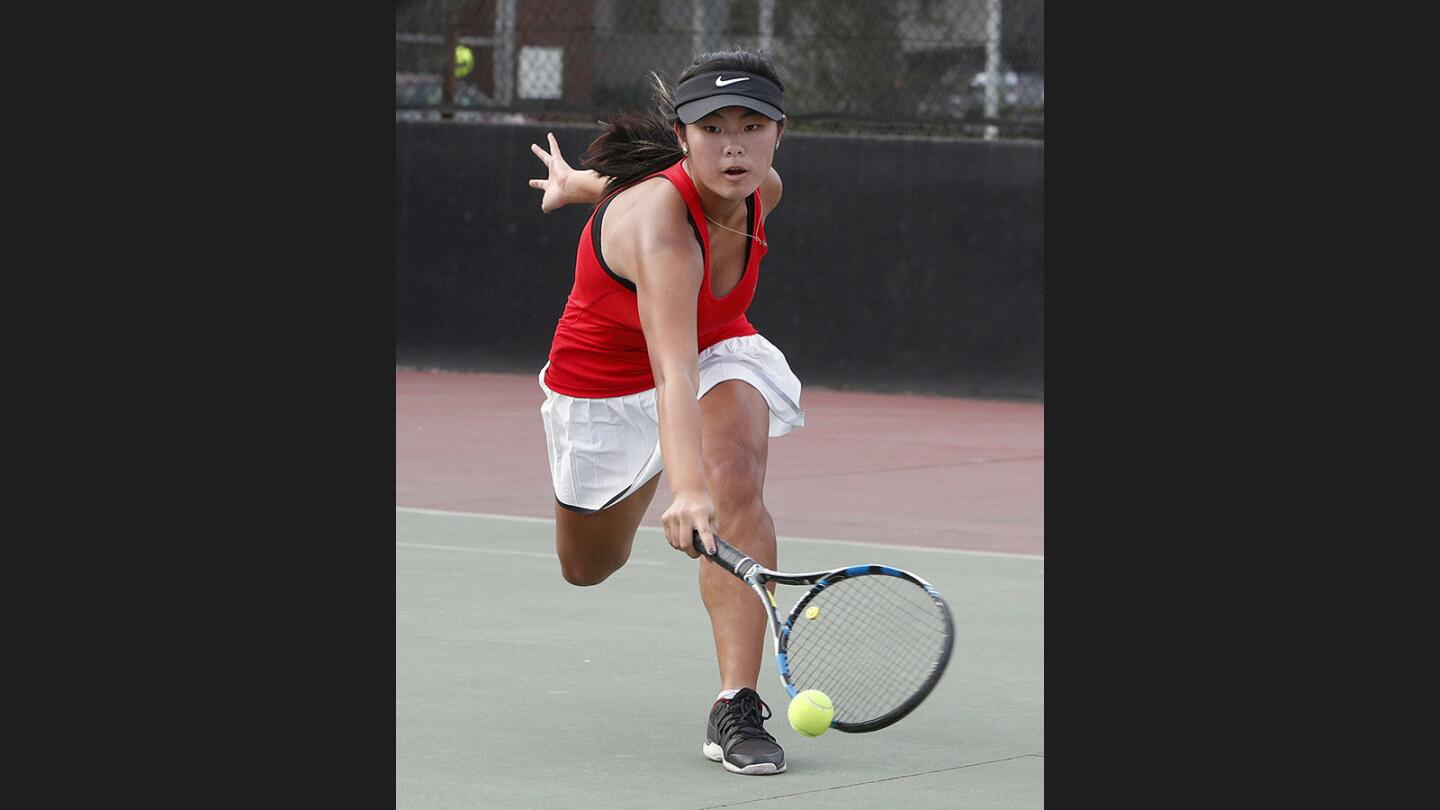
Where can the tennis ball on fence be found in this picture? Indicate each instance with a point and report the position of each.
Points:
(464, 61)
(812, 613)
(811, 712)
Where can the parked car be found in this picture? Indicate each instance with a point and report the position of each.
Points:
(1022, 90)
(428, 90)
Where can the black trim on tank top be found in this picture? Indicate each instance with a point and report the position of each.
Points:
(696, 228)
(595, 245)
(749, 231)
(629, 285)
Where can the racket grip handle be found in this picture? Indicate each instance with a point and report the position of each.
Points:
(725, 554)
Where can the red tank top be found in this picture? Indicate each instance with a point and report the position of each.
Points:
(599, 349)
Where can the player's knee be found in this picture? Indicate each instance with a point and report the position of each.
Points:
(582, 576)
(588, 572)
(736, 474)
(583, 579)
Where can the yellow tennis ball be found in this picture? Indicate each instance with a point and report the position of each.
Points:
(464, 61)
(810, 713)
(812, 613)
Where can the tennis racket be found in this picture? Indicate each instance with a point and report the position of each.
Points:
(875, 639)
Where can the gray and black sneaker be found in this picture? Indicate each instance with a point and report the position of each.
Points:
(736, 736)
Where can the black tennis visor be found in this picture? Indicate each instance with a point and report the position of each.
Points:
(698, 96)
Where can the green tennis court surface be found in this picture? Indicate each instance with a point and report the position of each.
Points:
(514, 689)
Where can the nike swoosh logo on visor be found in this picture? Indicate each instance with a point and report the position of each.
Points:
(720, 81)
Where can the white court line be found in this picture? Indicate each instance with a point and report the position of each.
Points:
(539, 554)
(788, 538)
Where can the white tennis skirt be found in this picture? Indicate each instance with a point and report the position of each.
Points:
(602, 450)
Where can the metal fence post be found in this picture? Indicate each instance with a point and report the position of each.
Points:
(505, 51)
(767, 26)
(992, 66)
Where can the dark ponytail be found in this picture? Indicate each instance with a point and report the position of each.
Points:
(633, 145)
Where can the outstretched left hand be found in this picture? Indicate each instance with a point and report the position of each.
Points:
(556, 184)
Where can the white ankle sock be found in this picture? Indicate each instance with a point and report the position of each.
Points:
(727, 694)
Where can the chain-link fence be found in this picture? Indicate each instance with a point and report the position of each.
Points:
(935, 67)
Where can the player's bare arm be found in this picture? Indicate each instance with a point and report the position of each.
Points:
(655, 248)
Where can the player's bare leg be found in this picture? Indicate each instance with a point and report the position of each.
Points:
(735, 445)
(594, 546)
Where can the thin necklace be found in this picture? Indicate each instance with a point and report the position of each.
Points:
(742, 233)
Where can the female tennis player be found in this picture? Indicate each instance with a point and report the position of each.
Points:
(654, 365)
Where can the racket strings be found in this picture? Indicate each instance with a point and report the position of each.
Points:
(876, 675)
(872, 646)
(879, 669)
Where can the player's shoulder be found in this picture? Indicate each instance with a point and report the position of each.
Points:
(772, 180)
(652, 192)
(771, 189)
(650, 209)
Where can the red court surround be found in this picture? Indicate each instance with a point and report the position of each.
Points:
(883, 468)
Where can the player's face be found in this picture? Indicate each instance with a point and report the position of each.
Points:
(731, 150)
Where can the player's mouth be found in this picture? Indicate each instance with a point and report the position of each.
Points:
(735, 171)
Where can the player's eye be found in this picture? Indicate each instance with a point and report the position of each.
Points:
(712, 129)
